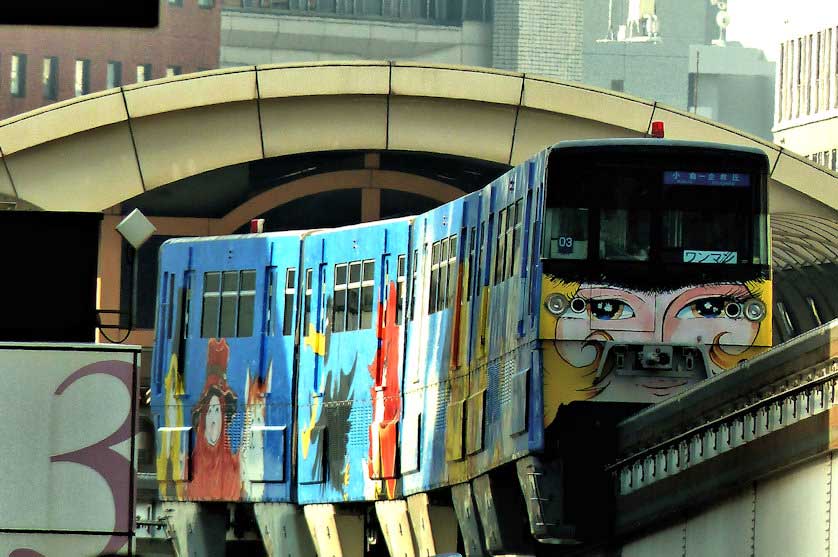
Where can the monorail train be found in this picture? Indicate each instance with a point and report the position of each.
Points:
(392, 358)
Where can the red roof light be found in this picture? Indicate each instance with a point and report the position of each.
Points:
(657, 129)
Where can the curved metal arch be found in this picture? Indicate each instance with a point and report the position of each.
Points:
(332, 181)
(147, 135)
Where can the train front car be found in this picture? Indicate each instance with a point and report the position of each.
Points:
(656, 276)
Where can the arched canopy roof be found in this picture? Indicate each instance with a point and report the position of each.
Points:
(93, 152)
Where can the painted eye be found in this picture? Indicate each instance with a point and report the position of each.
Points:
(611, 309)
(706, 308)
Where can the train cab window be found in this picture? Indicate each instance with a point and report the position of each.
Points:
(367, 289)
(624, 234)
(566, 233)
(290, 291)
(703, 230)
(401, 278)
(247, 299)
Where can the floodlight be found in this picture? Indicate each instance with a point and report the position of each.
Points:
(135, 228)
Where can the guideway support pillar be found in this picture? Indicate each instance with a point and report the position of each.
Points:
(197, 529)
(284, 531)
(434, 526)
(466, 512)
(335, 534)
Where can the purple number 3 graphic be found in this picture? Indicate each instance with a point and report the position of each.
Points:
(100, 457)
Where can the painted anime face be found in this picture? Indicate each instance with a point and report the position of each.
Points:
(694, 315)
(212, 421)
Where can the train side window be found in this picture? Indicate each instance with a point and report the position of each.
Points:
(509, 260)
(170, 300)
(432, 291)
(269, 327)
(339, 306)
(452, 271)
(367, 290)
(442, 287)
(183, 317)
(517, 223)
(482, 279)
(290, 292)
(247, 303)
(472, 241)
(187, 284)
(500, 245)
(211, 304)
(353, 296)
(229, 295)
(307, 303)
(414, 277)
(401, 278)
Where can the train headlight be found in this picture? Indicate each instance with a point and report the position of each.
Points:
(556, 304)
(754, 310)
(733, 310)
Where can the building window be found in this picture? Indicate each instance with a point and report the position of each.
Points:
(143, 72)
(618, 85)
(50, 78)
(206, 3)
(17, 83)
(114, 78)
(172, 71)
(82, 77)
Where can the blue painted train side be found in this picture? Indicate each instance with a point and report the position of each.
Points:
(367, 372)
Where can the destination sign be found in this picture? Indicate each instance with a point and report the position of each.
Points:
(689, 178)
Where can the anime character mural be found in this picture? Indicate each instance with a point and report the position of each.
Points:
(386, 397)
(216, 473)
(726, 322)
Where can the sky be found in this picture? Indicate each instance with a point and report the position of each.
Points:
(763, 23)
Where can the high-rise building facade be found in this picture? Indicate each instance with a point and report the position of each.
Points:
(40, 65)
(543, 37)
(806, 109)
